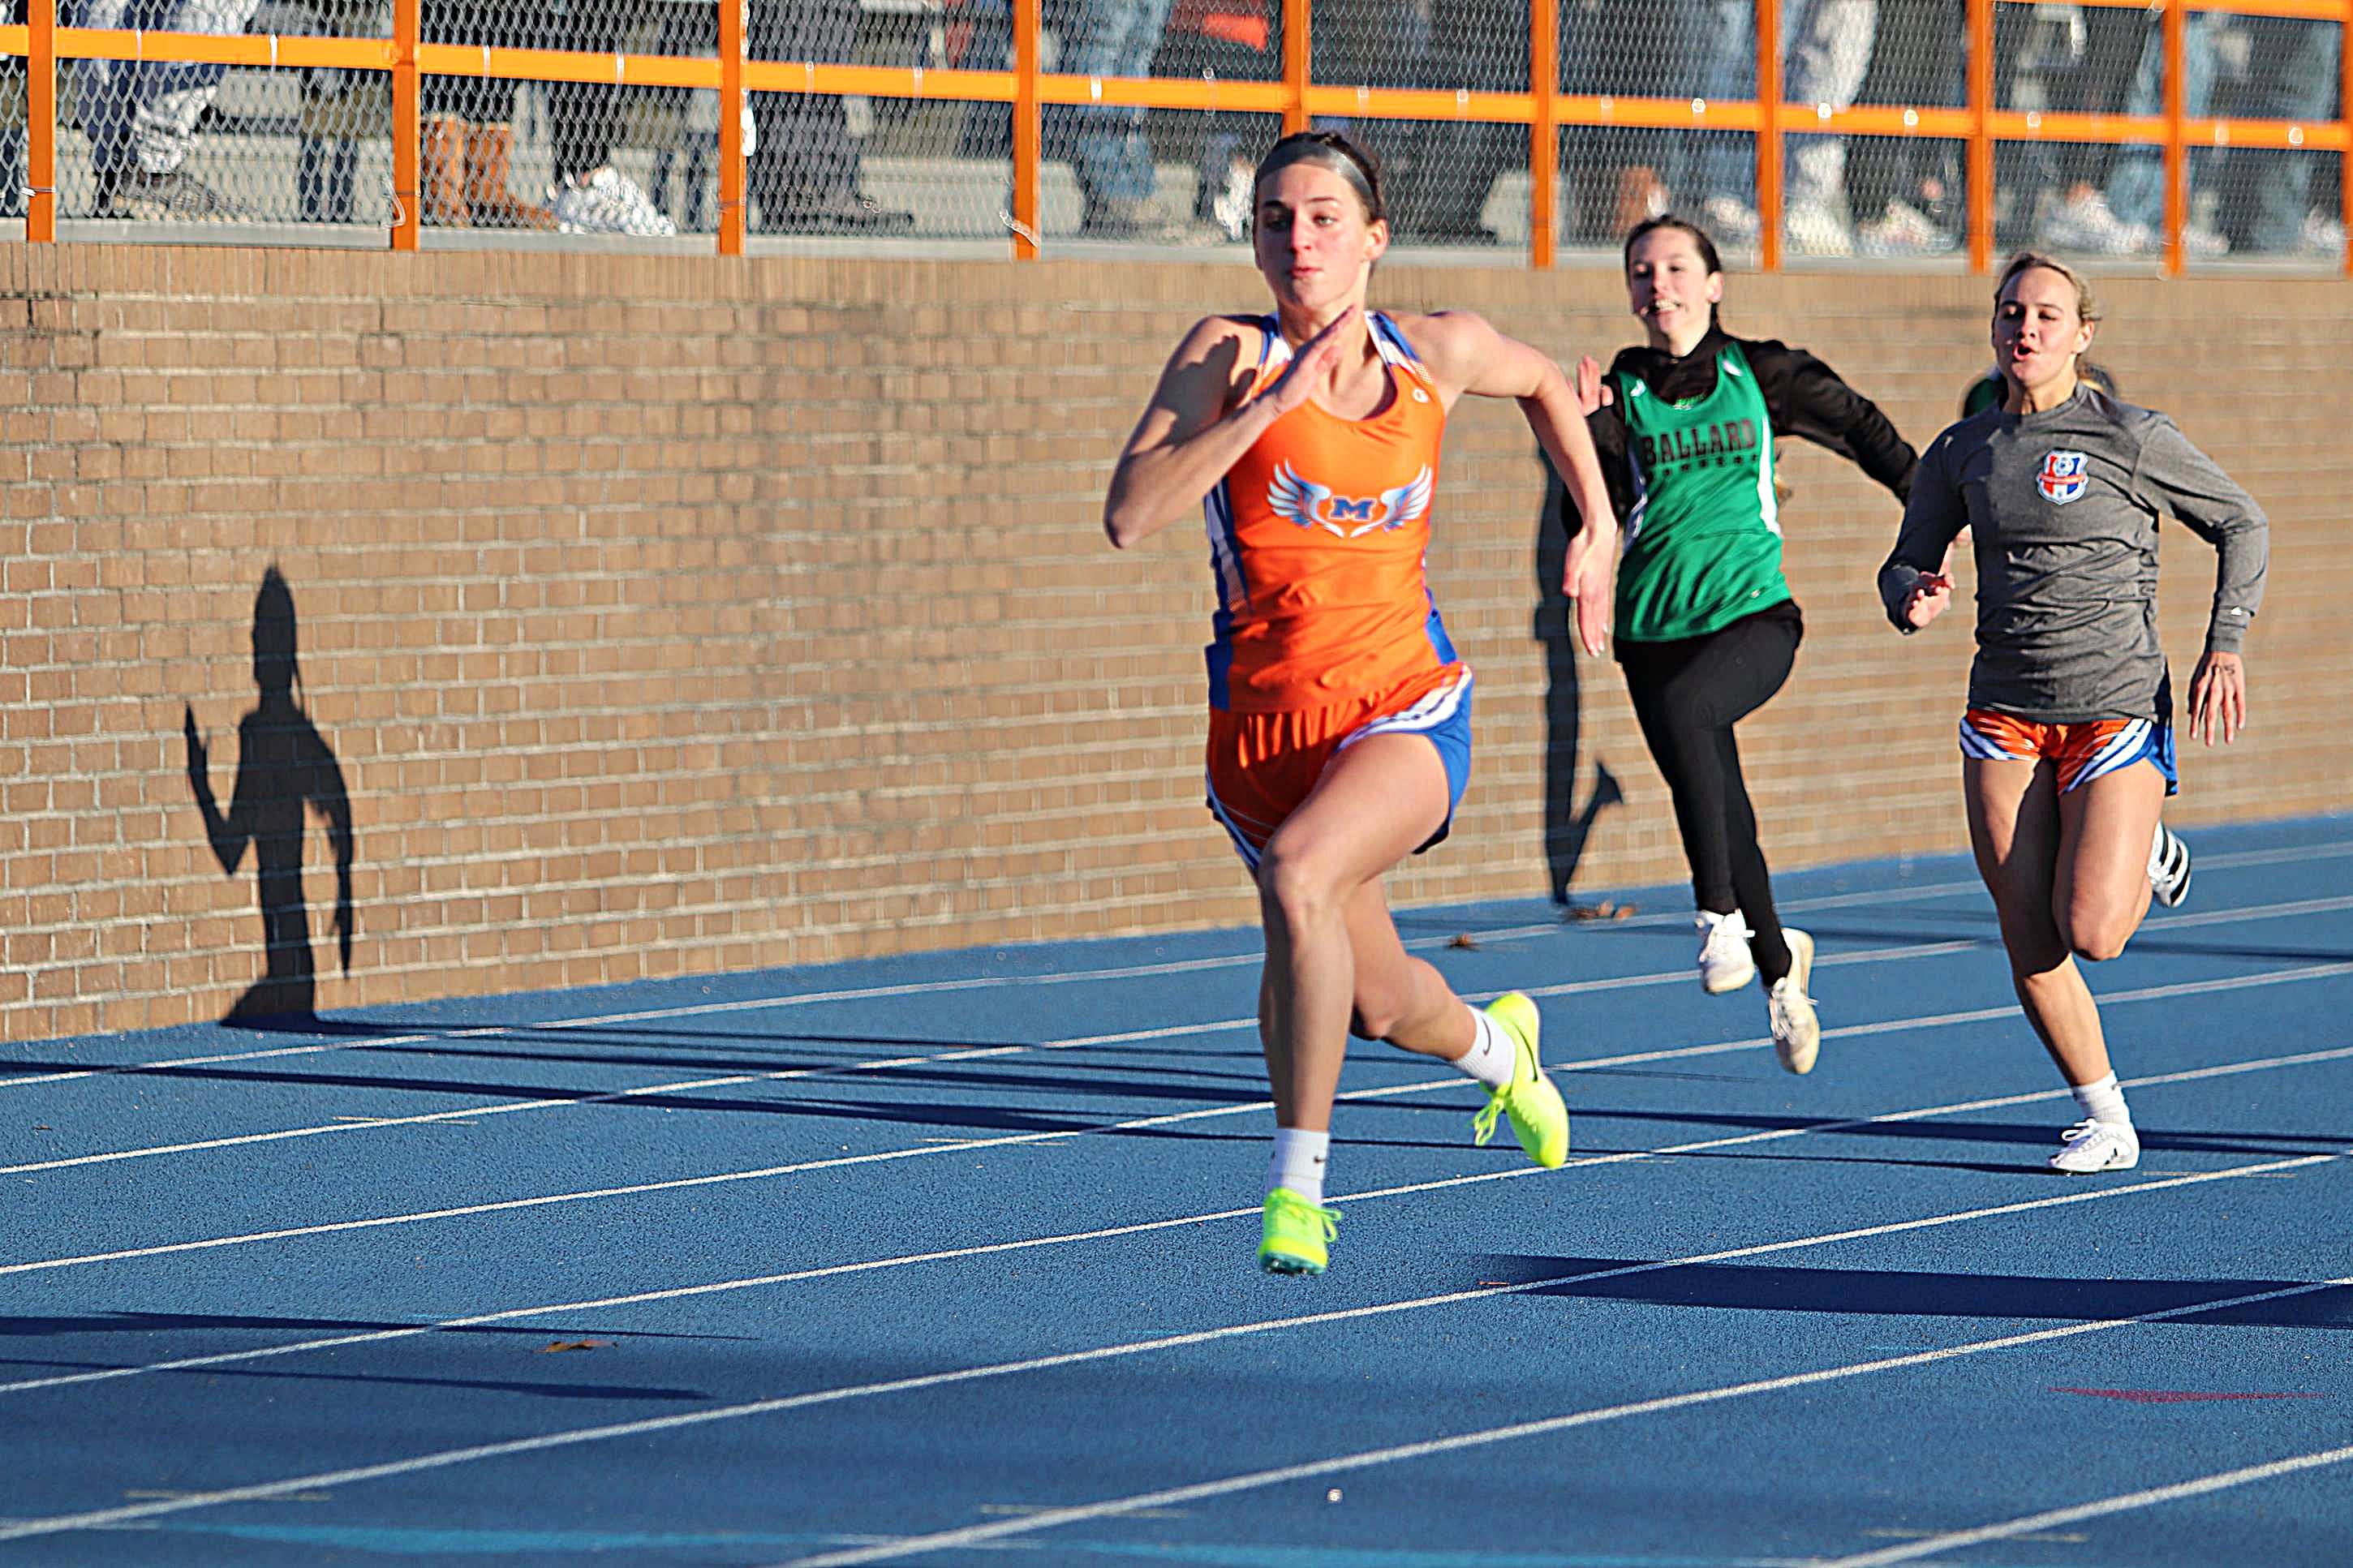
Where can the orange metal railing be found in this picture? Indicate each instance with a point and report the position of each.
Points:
(42, 44)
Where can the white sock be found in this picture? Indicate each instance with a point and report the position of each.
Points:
(1298, 1162)
(1493, 1057)
(2103, 1101)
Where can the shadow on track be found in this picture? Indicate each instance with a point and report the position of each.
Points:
(1881, 1292)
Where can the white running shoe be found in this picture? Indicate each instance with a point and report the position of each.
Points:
(1725, 963)
(1903, 230)
(607, 202)
(2203, 244)
(1815, 229)
(1797, 1033)
(1230, 206)
(2169, 868)
(2090, 1146)
(2086, 223)
(1731, 221)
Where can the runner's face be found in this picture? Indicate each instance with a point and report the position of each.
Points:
(2039, 328)
(1669, 286)
(1314, 246)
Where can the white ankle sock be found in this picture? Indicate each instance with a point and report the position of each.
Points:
(1493, 1057)
(2103, 1101)
(1298, 1162)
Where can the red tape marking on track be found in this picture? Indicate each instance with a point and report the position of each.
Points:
(2172, 1396)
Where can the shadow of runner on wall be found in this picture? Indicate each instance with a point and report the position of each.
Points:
(1567, 826)
(284, 769)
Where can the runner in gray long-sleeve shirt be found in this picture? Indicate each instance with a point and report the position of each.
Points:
(2067, 745)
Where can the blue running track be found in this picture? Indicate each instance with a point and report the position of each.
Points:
(948, 1259)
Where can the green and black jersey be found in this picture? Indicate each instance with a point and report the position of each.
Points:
(1688, 447)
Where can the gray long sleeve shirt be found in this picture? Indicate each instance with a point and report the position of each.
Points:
(2061, 508)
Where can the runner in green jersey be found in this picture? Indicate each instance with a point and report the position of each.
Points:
(1688, 427)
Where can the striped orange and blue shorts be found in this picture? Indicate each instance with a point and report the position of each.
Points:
(2082, 751)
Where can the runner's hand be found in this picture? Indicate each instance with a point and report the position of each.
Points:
(1588, 580)
(1592, 393)
(1932, 595)
(2218, 697)
(1310, 365)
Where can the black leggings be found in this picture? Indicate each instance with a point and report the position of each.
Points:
(1688, 695)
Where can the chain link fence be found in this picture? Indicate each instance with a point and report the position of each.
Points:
(503, 152)
(2089, 198)
(14, 143)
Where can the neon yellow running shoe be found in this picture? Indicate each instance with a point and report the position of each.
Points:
(1539, 1117)
(1296, 1231)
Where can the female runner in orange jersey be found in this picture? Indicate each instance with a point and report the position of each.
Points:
(1339, 729)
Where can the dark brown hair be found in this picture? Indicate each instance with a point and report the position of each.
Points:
(1332, 150)
(1650, 225)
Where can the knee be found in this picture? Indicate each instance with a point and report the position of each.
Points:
(2097, 935)
(1293, 884)
(2096, 944)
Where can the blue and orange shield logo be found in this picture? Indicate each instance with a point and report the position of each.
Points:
(2066, 477)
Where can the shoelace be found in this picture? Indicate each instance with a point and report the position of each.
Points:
(2090, 1127)
(1298, 1206)
(1483, 1125)
(1729, 932)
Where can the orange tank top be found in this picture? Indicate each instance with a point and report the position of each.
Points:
(1317, 536)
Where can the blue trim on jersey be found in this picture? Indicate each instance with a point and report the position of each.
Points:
(1435, 630)
(1233, 586)
(1220, 655)
(1386, 335)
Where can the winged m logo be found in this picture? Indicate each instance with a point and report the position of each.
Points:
(1301, 500)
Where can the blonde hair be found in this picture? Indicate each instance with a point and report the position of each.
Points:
(2086, 307)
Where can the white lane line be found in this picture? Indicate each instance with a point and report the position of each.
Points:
(1173, 1118)
(1024, 1244)
(103, 1517)
(1936, 1545)
(1171, 1497)
(981, 1053)
(1080, 976)
(1020, 1139)
(514, 1107)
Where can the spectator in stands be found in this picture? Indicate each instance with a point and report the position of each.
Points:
(1905, 191)
(1440, 182)
(590, 195)
(340, 107)
(1113, 158)
(1825, 50)
(141, 118)
(2134, 193)
(2065, 59)
(806, 170)
(1231, 40)
(2291, 74)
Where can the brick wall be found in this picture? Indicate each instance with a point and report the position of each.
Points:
(663, 615)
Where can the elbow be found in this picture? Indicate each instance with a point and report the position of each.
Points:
(1127, 511)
